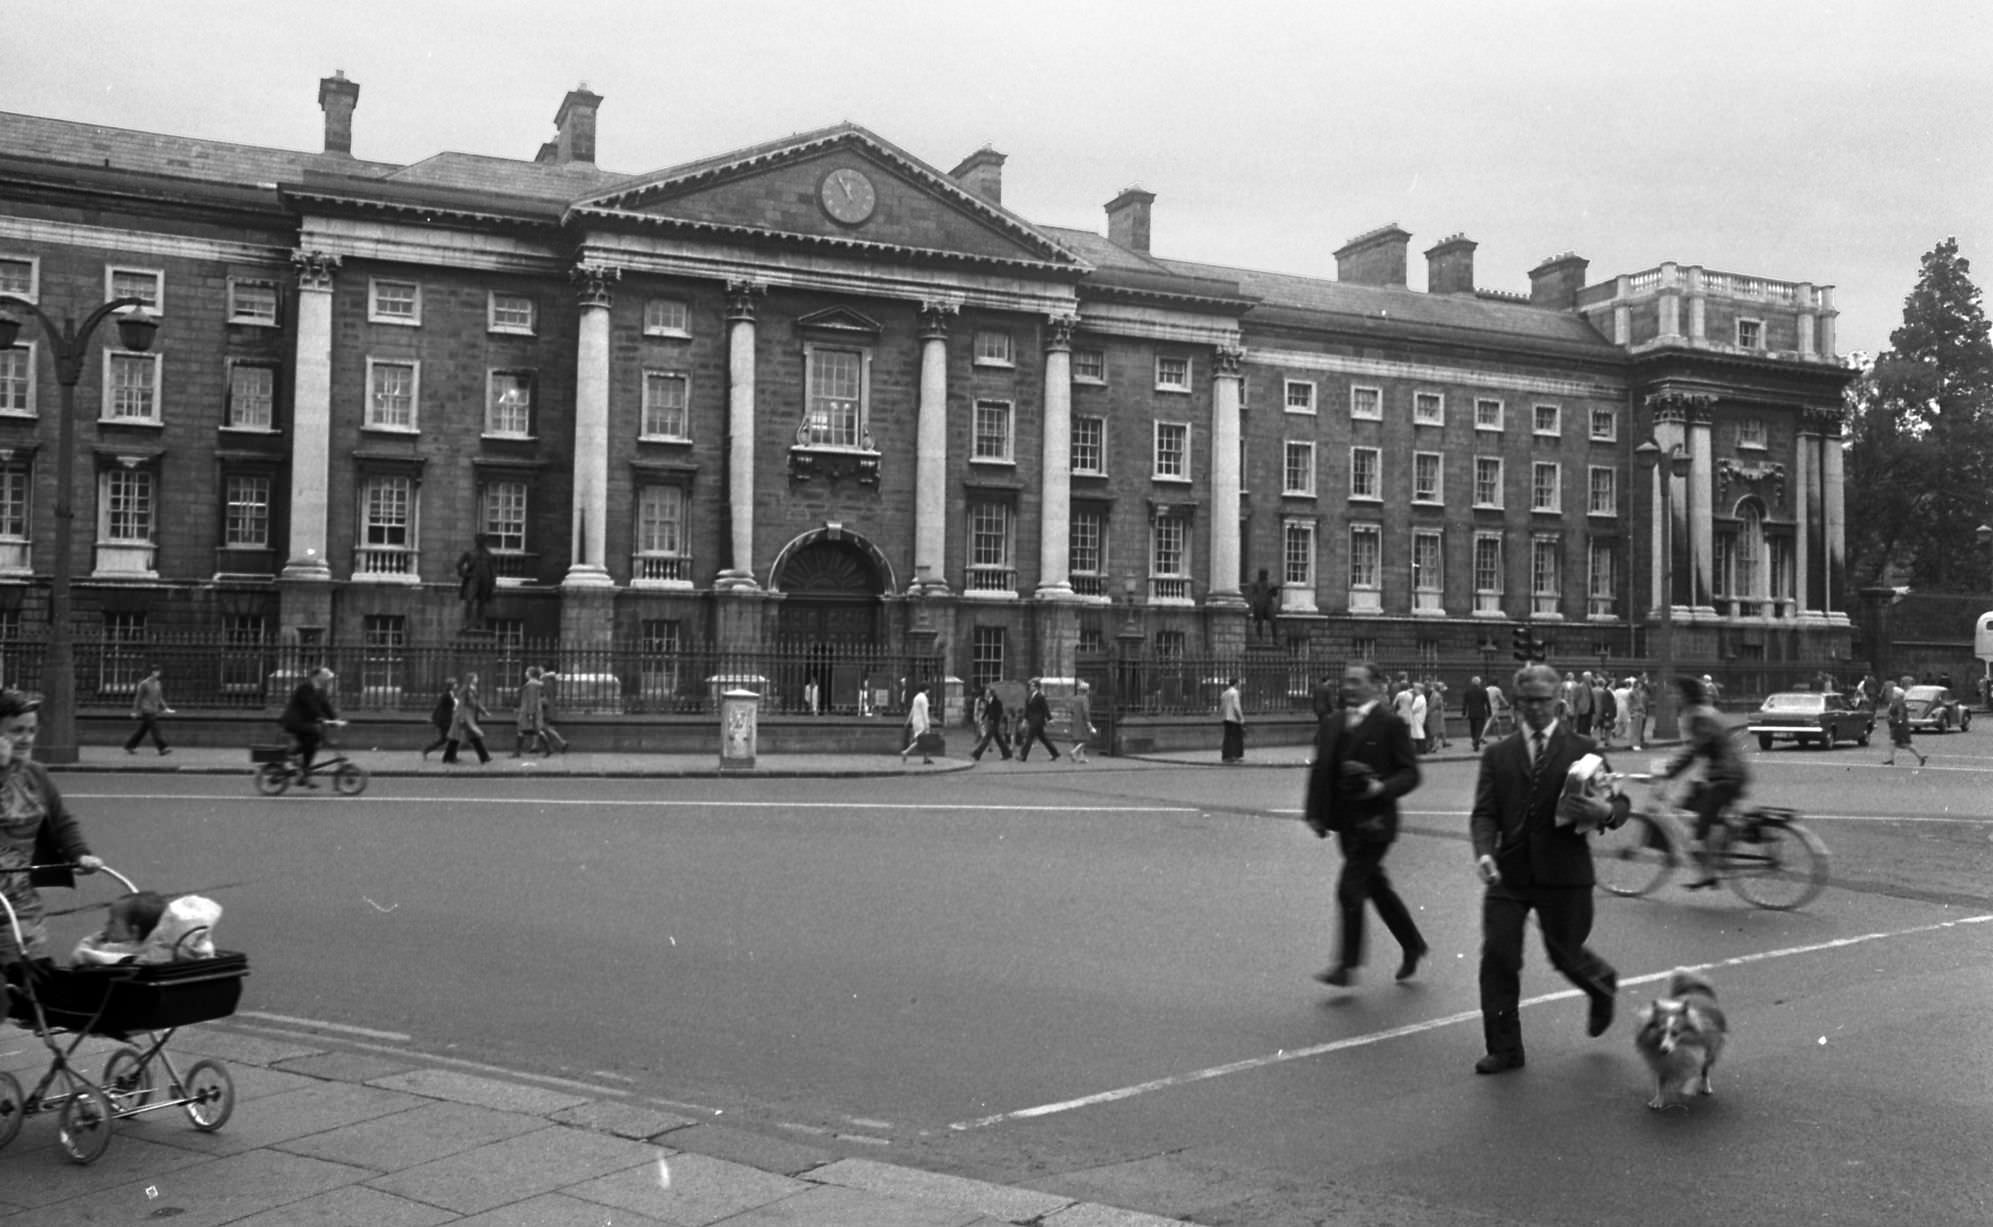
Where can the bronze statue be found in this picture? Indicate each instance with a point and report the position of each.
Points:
(1263, 595)
(477, 575)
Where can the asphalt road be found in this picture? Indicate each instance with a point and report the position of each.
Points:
(1096, 981)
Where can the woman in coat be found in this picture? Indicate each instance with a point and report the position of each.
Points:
(464, 726)
(35, 829)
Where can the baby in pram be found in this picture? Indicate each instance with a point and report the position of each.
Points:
(147, 927)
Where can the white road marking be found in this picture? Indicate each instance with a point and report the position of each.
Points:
(316, 1024)
(1433, 1024)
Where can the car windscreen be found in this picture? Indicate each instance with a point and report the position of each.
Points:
(1793, 702)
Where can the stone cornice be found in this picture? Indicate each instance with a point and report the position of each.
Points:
(1428, 372)
(35, 232)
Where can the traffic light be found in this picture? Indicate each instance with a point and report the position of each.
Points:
(1525, 644)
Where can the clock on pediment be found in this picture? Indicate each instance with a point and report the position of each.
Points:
(847, 195)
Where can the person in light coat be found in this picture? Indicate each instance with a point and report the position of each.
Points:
(917, 726)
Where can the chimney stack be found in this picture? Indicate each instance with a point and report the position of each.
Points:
(575, 120)
(1450, 265)
(337, 97)
(1128, 219)
(1374, 258)
(981, 175)
(1555, 282)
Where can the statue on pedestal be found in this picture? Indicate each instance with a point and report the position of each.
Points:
(477, 576)
(1263, 596)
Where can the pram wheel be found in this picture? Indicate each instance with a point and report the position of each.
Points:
(85, 1124)
(128, 1081)
(210, 1095)
(11, 1107)
(273, 778)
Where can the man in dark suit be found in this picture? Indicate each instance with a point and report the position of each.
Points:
(1475, 703)
(1363, 764)
(1530, 849)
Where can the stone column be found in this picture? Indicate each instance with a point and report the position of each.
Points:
(930, 476)
(1805, 513)
(739, 573)
(1055, 516)
(1669, 302)
(1227, 372)
(311, 418)
(1672, 546)
(1833, 498)
(1809, 318)
(1698, 306)
(1702, 532)
(588, 559)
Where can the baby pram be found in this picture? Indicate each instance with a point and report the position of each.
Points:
(119, 1002)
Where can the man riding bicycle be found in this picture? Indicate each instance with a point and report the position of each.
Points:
(306, 716)
(1707, 743)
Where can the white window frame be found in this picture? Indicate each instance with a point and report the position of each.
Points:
(1601, 560)
(108, 513)
(862, 410)
(1482, 463)
(1605, 424)
(376, 314)
(650, 411)
(233, 411)
(1088, 522)
(1436, 496)
(370, 420)
(1096, 358)
(115, 359)
(994, 347)
(505, 509)
(17, 513)
(990, 552)
(388, 560)
(1006, 414)
(1602, 491)
(155, 298)
(1359, 396)
(493, 398)
(1488, 566)
(1172, 385)
(1489, 422)
(1156, 452)
(1297, 396)
(1537, 502)
(25, 357)
(1304, 451)
(237, 314)
(510, 304)
(660, 320)
(1752, 433)
(1428, 408)
(246, 506)
(32, 291)
(1099, 445)
(1366, 568)
(1428, 572)
(1169, 560)
(1757, 341)
(1546, 583)
(1375, 492)
(1555, 430)
(661, 524)
(1298, 559)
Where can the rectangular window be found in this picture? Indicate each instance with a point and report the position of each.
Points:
(383, 657)
(1089, 366)
(660, 653)
(252, 302)
(252, 396)
(1087, 553)
(1603, 498)
(131, 387)
(511, 313)
(393, 302)
(990, 568)
(1487, 414)
(992, 431)
(17, 380)
(1169, 645)
(1599, 589)
(145, 284)
(1172, 373)
(1298, 470)
(1547, 420)
(1428, 576)
(1367, 403)
(1605, 425)
(246, 518)
(1089, 445)
(16, 498)
(392, 391)
(1546, 482)
(661, 555)
(1546, 579)
(988, 661)
(1300, 396)
(1487, 481)
(1366, 568)
(1172, 451)
(666, 395)
(667, 317)
(1487, 573)
(1169, 559)
(502, 516)
(509, 404)
(992, 347)
(1297, 554)
(129, 515)
(124, 655)
(387, 526)
(836, 407)
(1365, 468)
(1750, 334)
(1428, 409)
(1751, 432)
(243, 664)
(19, 276)
(1428, 482)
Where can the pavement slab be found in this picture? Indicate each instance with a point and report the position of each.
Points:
(770, 1154)
(210, 1195)
(829, 1206)
(345, 1066)
(409, 1139)
(36, 1173)
(701, 1190)
(545, 1160)
(556, 1210)
(625, 1120)
(278, 1118)
(481, 1091)
(978, 1197)
(352, 1206)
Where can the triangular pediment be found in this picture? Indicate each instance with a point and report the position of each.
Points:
(840, 186)
(841, 320)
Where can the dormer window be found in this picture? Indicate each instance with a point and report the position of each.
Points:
(1750, 334)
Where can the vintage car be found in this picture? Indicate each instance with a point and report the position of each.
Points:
(1809, 716)
(1933, 709)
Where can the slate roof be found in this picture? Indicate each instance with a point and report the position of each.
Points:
(184, 157)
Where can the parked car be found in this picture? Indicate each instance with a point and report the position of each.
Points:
(1933, 709)
(1809, 717)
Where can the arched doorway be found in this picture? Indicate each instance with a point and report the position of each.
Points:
(831, 623)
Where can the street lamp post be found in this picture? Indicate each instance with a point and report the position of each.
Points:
(69, 342)
(1985, 534)
(1649, 453)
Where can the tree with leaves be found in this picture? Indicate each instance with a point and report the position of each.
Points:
(1920, 456)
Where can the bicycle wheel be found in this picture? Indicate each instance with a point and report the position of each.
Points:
(1633, 859)
(272, 779)
(128, 1080)
(350, 779)
(84, 1127)
(210, 1094)
(1775, 865)
(12, 1107)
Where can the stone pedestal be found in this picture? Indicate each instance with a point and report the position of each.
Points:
(737, 618)
(1056, 624)
(306, 607)
(1226, 625)
(588, 617)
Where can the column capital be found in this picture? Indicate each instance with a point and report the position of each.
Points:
(1680, 407)
(592, 283)
(740, 300)
(1059, 331)
(1821, 421)
(315, 269)
(934, 317)
(1228, 362)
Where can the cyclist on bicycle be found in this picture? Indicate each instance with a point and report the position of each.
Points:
(306, 716)
(1707, 744)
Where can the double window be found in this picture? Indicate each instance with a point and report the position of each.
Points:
(1487, 414)
(993, 348)
(146, 284)
(1089, 366)
(667, 317)
(1172, 373)
(1602, 499)
(1546, 574)
(1087, 552)
(16, 501)
(388, 525)
(1428, 409)
(502, 516)
(1297, 558)
(1300, 396)
(1366, 403)
(1599, 588)
(1546, 486)
(1169, 559)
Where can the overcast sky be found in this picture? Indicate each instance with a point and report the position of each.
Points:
(1828, 142)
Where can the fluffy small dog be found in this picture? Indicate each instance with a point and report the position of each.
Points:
(1680, 1037)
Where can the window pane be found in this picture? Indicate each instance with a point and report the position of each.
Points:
(511, 409)
(992, 430)
(252, 393)
(392, 402)
(16, 379)
(247, 518)
(504, 518)
(1089, 445)
(128, 505)
(661, 520)
(132, 389)
(835, 380)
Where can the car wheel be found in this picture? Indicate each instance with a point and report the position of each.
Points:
(1861, 739)
(1764, 741)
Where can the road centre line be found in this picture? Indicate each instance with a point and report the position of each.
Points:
(1432, 1024)
(663, 803)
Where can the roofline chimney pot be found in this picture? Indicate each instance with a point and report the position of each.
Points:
(1128, 219)
(337, 97)
(575, 121)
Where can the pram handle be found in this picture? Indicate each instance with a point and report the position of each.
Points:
(75, 868)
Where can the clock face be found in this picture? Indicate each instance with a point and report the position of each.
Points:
(847, 195)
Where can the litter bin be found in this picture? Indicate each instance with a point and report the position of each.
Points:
(740, 721)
